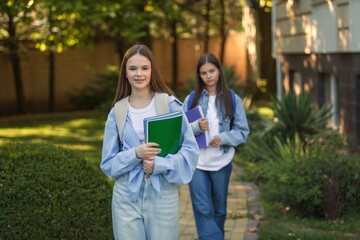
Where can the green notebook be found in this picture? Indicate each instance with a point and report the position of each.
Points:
(164, 129)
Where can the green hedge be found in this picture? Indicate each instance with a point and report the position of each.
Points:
(323, 182)
(47, 192)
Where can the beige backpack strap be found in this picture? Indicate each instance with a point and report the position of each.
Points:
(161, 103)
(121, 108)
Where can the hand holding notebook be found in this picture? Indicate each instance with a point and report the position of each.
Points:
(193, 115)
(165, 130)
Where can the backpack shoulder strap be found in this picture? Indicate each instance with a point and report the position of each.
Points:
(233, 101)
(121, 108)
(161, 103)
(191, 99)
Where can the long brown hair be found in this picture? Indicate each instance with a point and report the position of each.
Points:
(157, 83)
(223, 95)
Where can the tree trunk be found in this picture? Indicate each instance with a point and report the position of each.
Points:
(51, 80)
(223, 32)
(15, 61)
(120, 50)
(207, 25)
(146, 39)
(267, 67)
(174, 55)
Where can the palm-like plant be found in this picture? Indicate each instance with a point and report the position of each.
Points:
(296, 115)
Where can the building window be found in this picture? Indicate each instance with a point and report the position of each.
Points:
(328, 94)
(295, 82)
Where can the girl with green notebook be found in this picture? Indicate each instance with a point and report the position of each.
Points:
(145, 198)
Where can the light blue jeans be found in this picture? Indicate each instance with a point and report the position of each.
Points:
(208, 191)
(151, 217)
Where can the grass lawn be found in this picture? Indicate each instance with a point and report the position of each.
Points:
(79, 131)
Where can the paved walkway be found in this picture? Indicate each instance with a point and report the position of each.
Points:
(241, 204)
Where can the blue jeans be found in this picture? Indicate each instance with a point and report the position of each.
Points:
(151, 217)
(208, 191)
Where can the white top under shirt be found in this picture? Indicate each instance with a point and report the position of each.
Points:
(137, 116)
(213, 158)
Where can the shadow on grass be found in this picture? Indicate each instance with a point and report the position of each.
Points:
(78, 131)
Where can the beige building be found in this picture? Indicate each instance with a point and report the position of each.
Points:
(316, 44)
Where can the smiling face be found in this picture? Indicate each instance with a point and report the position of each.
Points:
(209, 74)
(138, 72)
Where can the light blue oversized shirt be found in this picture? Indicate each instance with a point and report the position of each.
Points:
(118, 159)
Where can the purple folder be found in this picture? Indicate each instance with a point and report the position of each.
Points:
(193, 115)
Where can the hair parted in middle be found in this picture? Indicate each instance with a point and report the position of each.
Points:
(157, 83)
(223, 95)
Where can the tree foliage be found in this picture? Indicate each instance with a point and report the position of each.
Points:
(55, 26)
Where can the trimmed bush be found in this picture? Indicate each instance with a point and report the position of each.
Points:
(47, 192)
